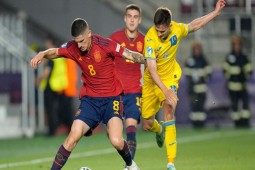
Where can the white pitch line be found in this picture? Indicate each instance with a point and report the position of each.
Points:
(198, 138)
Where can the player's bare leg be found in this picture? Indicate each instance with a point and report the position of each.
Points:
(151, 124)
(116, 139)
(79, 128)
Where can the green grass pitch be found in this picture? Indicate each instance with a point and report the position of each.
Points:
(207, 149)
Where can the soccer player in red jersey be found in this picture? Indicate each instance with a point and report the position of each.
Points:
(100, 93)
(129, 72)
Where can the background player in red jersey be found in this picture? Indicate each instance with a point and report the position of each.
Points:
(129, 72)
(100, 100)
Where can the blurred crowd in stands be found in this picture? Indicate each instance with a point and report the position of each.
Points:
(237, 71)
(59, 83)
(187, 6)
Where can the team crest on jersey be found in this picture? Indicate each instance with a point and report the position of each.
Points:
(123, 44)
(97, 56)
(173, 40)
(139, 46)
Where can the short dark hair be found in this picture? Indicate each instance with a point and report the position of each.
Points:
(162, 16)
(133, 7)
(79, 25)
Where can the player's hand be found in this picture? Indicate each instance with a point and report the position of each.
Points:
(171, 97)
(36, 60)
(220, 5)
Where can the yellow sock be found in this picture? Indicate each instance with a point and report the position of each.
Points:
(156, 128)
(170, 140)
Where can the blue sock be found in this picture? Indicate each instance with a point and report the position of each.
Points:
(125, 154)
(131, 139)
(60, 158)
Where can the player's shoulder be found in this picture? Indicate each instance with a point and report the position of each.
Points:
(118, 32)
(179, 28)
(175, 24)
(69, 44)
(99, 40)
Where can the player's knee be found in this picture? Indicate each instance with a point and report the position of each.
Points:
(70, 143)
(117, 143)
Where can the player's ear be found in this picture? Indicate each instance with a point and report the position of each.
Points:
(89, 33)
(125, 18)
(140, 20)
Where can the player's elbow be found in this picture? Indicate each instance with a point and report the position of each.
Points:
(193, 27)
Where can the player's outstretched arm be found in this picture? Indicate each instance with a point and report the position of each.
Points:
(51, 53)
(134, 56)
(202, 21)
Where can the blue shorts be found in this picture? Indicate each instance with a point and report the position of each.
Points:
(94, 110)
(132, 105)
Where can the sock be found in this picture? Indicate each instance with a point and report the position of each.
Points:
(156, 128)
(170, 140)
(131, 140)
(61, 158)
(125, 154)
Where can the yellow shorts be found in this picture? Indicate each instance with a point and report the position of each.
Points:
(153, 97)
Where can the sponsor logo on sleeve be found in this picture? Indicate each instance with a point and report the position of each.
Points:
(149, 50)
(117, 48)
(64, 45)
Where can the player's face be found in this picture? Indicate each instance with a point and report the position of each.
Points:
(84, 40)
(197, 50)
(163, 31)
(132, 20)
(237, 46)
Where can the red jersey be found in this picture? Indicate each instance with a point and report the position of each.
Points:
(97, 66)
(128, 71)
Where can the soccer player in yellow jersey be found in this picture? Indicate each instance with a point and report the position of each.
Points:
(162, 74)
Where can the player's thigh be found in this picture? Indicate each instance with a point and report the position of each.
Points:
(88, 112)
(132, 106)
(79, 128)
(115, 128)
(153, 98)
(150, 102)
(113, 108)
(170, 85)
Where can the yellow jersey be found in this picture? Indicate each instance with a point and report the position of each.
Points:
(164, 51)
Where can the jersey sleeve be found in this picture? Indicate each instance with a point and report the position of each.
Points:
(64, 50)
(149, 46)
(184, 29)
(114, 49)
